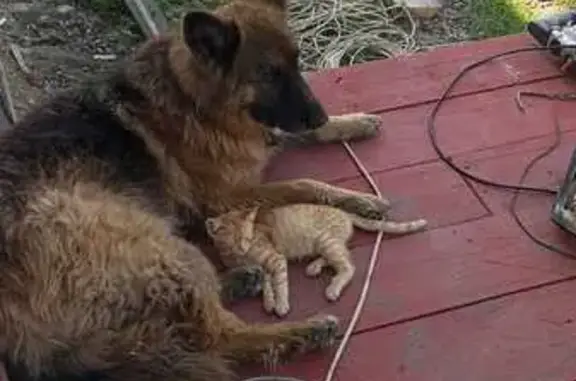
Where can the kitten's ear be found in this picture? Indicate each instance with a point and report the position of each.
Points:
(213, 39)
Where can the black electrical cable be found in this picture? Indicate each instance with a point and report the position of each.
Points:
(514, 201)
(517, 188)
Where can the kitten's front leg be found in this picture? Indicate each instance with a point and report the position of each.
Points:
(275, 288)
(268, 298)
(279, 280)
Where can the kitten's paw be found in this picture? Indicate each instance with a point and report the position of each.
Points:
(282, 310)
(269, 306)
(243, 282)
(333, 293)
(315, 267)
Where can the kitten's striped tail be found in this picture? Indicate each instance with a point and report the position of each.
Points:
(389, 227)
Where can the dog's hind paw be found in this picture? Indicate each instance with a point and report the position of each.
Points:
(324, 332)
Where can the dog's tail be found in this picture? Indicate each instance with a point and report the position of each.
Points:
(388, 227)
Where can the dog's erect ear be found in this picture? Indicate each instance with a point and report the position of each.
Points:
(213, 39)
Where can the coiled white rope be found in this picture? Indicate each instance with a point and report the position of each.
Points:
(334, 33)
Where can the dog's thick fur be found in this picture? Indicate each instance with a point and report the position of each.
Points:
(98, 186)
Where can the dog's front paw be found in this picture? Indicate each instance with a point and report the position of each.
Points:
(358, 126)
(366, 205)
(366, 125)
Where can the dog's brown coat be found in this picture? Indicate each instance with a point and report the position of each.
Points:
(95, 279)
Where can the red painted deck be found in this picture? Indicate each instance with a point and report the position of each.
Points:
(472, 298)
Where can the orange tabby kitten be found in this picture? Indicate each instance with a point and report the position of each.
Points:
(271, 238)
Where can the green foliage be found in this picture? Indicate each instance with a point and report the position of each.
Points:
(502, 17)
(492, 18)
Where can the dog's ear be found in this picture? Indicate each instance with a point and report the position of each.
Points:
(213, 39)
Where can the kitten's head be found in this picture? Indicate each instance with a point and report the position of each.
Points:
(232, 232)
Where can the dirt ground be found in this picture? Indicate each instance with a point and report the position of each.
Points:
(65, 42)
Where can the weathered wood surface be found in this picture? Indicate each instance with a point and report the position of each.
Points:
(471, 298)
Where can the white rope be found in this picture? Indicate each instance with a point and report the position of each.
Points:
(334, 33)
(369, 273)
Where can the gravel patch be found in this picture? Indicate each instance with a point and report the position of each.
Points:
(64, 42)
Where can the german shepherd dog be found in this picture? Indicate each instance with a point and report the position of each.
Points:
(97, 185)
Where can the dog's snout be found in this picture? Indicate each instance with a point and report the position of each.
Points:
(315, 117)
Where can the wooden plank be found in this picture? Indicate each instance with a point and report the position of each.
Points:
(417, 78)
(464, 125)
(525, 337)
(426, 275)
(433, 271)
(328, 163)
(415, 192)
(468, 257)
(404, 140)
(429, 191)
(506, 164)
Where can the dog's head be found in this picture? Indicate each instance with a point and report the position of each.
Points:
(246, 44)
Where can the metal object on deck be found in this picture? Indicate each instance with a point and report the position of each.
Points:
(564, 209)
(557, 31)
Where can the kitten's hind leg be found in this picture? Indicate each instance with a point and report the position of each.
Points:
(338, 256)
(314, 268)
